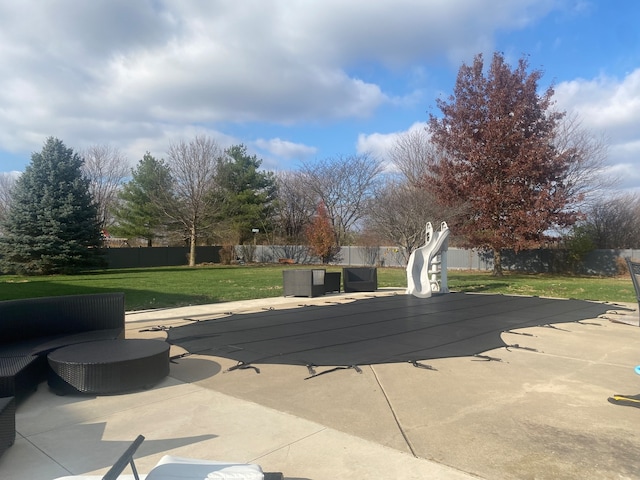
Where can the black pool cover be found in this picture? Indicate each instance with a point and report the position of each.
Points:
(385, 329)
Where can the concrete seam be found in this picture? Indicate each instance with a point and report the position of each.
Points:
(393, 412)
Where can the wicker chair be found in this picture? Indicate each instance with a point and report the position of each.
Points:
(304, 283)
(360, 279)
(634, 271)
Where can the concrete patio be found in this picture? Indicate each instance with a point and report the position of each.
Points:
(539, 414)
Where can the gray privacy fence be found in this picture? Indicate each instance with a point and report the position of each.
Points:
(597, 262)
(158, 256)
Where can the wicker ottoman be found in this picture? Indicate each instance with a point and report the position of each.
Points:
(7, 423)
(108, 366)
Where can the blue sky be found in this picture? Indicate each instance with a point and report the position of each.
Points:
(297, 80)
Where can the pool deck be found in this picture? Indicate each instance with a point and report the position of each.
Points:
(541, 412)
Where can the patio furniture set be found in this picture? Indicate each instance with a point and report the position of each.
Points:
(76, 343)
(317, 281)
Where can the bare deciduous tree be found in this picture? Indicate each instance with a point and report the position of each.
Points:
(586, 177)
(399, 215)
(294, 207)
(400, 212)
(614, 222)
(105, 167)
(345, 185)
(402, 207)
(193, 167)
(7, 182)
(412, 153)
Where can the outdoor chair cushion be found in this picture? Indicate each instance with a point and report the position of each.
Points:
(171, 468)
(141, 476)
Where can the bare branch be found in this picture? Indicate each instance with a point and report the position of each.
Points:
(412, 154)
(294, 207)
(587, 176)
(105, 168)
(194, 170)
(345, 185)
(7, 183)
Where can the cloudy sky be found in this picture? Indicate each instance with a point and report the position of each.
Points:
(296, 80)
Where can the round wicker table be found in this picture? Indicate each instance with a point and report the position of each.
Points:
(108, 366)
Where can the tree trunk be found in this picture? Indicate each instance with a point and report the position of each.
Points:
(497, 263)
(192, 247)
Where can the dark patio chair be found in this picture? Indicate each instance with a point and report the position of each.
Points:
(634, 271)
(360, 279)
(332, 282)
(303, 283)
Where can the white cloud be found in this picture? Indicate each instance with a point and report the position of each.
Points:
(380, 144)
(284, 149)
(137, 73)
(609, 107)
(607, 104)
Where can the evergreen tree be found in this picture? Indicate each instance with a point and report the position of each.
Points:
(246, 193)
(52, 225)
(140, 213)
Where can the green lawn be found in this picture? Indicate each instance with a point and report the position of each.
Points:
(178, 286)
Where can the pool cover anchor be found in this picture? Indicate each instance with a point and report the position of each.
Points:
(334, 369)
(422, 365)
(157, 328)
(242, 366)
(526, 334)
(486, 358)
(520, 347)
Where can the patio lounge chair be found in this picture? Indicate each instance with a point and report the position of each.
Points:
(634, 271)
(169, 468)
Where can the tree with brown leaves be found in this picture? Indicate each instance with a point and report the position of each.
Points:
(320, 235)
(496, 134)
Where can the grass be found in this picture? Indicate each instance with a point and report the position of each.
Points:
(179, 286)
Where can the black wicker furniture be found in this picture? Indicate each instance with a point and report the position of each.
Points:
(30, 328)
(332, 282)
(634, 271)
(33, 327)
(360, 279)
(32, 324)
(21, 375)
(108, 366)
(7, 423)
(304, 283)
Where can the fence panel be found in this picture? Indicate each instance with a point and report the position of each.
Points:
(143, 257)
(598, 262)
